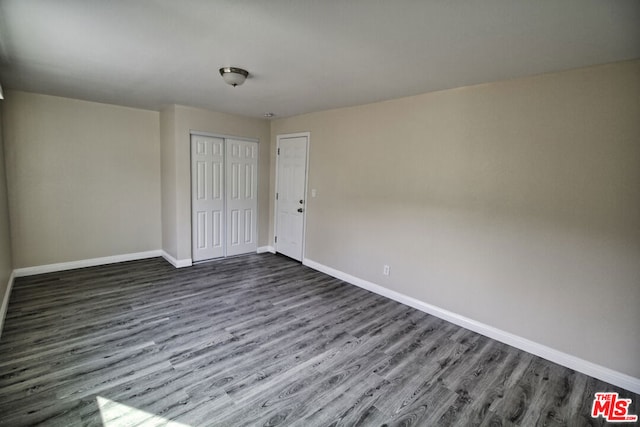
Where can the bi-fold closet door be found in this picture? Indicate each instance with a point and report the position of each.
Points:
(224, 200)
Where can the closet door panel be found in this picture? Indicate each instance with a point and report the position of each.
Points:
(241, 162)
(207, 197)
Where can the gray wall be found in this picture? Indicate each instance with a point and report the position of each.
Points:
(516, 204)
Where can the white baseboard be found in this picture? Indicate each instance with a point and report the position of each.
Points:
(177, 263)
(5, 301)
(597, 371)
(263, 249)
(50, 268)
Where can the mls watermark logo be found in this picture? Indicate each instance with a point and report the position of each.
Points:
(613, 409)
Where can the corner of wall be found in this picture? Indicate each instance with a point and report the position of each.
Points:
(4, 306)
(6, 274)
(168, 180)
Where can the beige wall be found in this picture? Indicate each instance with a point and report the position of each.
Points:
(168, 180)
(5, 241)
(177, 169)
(83, 179)
(516, 204)
(89, 180)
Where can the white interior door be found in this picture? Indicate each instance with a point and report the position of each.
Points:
(290, 193)
(242, 202)
(207, 198)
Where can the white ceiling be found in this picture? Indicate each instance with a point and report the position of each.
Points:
(303, 55)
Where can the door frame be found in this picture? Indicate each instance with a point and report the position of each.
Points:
(225, 137)
(306, 190)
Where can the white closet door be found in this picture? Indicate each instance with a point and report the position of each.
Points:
(242, 203)
(207, 198)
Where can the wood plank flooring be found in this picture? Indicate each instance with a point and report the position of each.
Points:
(260, 340)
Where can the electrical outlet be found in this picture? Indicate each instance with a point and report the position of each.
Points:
(386, 270)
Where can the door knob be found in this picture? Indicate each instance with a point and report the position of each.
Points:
(301, 201)
(299, 209)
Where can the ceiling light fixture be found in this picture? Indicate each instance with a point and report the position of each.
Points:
(233, 76)
(269, 115)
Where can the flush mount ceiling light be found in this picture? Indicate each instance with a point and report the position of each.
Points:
(233, 76)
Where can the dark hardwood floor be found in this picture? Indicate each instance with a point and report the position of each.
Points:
(260, 340)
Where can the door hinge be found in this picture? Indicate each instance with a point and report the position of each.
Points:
(276, 196)
(278, 151)
(276, 239)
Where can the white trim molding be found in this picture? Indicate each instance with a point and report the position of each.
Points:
(177, 263)
(5, 301)
(597, 371)
(263, 249)
(50, 268)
